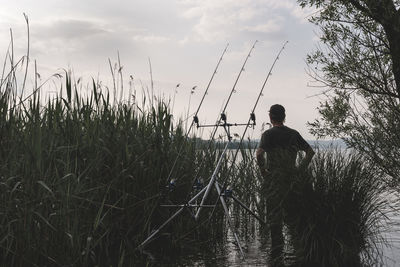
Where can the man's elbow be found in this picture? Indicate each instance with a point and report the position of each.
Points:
(260, 156)
(309, 155)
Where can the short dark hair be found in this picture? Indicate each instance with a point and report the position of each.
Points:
(277, 113)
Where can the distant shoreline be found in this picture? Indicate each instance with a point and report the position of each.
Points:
(252, 144)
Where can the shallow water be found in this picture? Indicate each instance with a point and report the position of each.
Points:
(391, 253)
(226, 253)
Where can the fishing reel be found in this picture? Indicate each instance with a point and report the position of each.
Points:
(196, 121)
(198, 184)
(223, 117)
(253, 119)
(171, 185)
(228, 192)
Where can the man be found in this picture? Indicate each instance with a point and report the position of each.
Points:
(281, 145)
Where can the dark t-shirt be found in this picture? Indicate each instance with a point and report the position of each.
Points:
(281, 144)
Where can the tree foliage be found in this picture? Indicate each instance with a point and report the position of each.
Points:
(359, 63)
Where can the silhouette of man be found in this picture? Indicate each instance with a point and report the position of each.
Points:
(280, 144)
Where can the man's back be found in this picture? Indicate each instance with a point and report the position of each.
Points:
(281, 144)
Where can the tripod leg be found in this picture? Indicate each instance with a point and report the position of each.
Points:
(148, 239)
(248, 209)
(212, 180)
(230, 224)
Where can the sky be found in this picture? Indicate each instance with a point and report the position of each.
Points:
(183, 40)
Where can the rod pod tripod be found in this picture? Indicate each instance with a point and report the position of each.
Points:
(221, 122)
(207, 189)
(222, 193)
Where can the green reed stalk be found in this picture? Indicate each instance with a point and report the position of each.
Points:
(82, 180)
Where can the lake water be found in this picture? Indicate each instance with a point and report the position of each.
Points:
(226, 253)
(391, 254)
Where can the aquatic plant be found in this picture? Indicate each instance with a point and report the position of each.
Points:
(335, 211)
(82, 179)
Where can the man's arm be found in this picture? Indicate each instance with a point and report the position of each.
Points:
(261, 161)
(307, 159)
(304, 146)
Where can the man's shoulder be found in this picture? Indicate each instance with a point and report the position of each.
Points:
(291, 130)
(280, 129)
(269, 131)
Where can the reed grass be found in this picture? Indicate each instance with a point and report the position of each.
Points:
(335, 211)
(82, 178)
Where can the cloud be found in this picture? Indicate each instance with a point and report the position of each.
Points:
(302, 14)
(69, 29)
(216, 20)
(150, 38)
(273, 25)
(225, 19)
(88, 37)
(294, 9)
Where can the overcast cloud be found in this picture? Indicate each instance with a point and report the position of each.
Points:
(184, 39)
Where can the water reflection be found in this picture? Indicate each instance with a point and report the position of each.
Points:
(391, 251)
(214, 253)
(223, 251)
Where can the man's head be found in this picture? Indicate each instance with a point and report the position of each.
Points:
(277, 113)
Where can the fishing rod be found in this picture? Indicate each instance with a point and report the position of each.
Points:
(218, 123)
(221, 122)
(221, 190)
(236, 81)
(189, 203)
(223, 119)
(197, 111)
(181, 147)
(251, 119)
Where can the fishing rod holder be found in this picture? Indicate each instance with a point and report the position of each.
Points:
(228, 192)
(186, 206)
(196, 121)
(198, 184)
(171, 185)
(203, 193)
(223, 117)
(253, 119)
(226, 125)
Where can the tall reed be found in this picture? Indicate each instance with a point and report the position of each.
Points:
(335, 211)
(82, 179)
